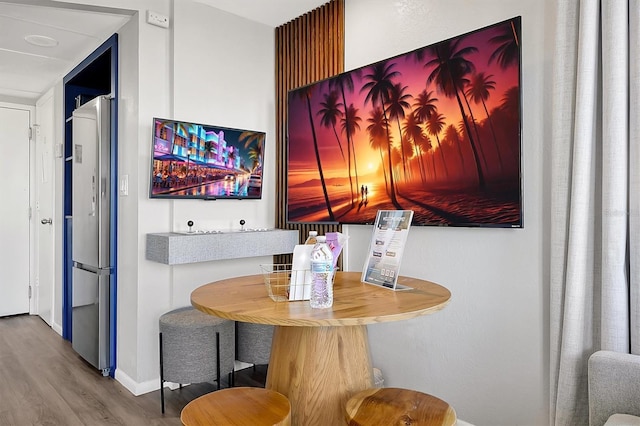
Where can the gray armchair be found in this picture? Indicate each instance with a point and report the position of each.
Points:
(614, 389)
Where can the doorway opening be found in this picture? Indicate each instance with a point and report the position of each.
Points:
(96, 76)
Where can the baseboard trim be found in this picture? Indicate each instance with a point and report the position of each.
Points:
(56, 327)
(152, 385)
(134, 387)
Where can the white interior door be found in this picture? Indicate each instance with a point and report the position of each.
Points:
(14, 210)
(45, 222)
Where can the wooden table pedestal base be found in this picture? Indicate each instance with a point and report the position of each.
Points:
(318, 369)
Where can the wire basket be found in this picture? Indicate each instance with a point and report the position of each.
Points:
(277, 279)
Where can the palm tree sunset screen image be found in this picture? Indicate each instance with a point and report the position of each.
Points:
(436, 131)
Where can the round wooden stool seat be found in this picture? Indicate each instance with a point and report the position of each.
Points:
(398, 407)
(239, 406)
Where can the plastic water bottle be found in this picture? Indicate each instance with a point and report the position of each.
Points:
(322, 275)
(312, 238)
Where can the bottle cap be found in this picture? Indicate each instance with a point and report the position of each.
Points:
(313, 233)
(322, 238)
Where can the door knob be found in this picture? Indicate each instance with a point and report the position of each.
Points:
(45, 221)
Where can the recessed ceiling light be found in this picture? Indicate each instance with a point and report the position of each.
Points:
(40, 40)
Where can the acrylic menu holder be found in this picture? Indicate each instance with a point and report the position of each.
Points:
(388, 239)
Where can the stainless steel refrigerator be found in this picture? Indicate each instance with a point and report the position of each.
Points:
(90, 250)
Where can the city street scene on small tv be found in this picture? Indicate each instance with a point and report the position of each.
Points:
(436, 131)
(193, 160)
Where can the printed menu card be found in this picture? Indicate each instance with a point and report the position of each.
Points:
(388, 239)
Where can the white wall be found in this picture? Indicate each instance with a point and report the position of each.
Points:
(202, 69)
(225, 77)
(487, 352)
(128, 250)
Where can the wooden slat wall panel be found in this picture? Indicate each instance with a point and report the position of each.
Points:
(308, 48)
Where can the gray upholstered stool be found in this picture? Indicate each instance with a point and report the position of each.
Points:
(194, 347)
(253, 342)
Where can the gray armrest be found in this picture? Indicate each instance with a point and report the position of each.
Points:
(614, 385)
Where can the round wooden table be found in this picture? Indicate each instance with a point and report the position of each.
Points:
(320, 357)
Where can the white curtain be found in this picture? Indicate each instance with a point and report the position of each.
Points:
(595, 184)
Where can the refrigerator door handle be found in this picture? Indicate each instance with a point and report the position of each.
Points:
(93, 269)
(92, 211)
(103, 188)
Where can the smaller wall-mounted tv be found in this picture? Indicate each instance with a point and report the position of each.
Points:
(191, 160)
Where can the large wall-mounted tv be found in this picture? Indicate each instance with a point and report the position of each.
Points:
(436, 130)
(191, 160)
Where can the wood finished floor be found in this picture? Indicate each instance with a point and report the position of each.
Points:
(44, 382)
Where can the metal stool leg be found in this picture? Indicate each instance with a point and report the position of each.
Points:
(161, 376)
(232, 380)
(218, 358)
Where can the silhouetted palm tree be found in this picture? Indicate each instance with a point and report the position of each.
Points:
(453, 136)
(449, 68)
(378, 88)
(424, 106)
(255, 150)
(345, 81)
(413, 131)
(474, 123)
(249, 136)
(329, 115)
(349, 126)
(511, 101)
(305, 93)
(435, 124)
(396, 159)
(419, 54)
(478, 92)
(508, 51)
(397, 104)
(425, 145)
(510, 107)
(406, 148)
(378, 132)
(462, 131)
(350, 123)
(255, 154)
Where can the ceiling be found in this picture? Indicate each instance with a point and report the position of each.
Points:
(269, 12)
(27, 70)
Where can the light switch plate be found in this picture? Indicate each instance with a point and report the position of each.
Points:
(124, 185)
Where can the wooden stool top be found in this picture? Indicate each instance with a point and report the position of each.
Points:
(393, 406)
(239, 406)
